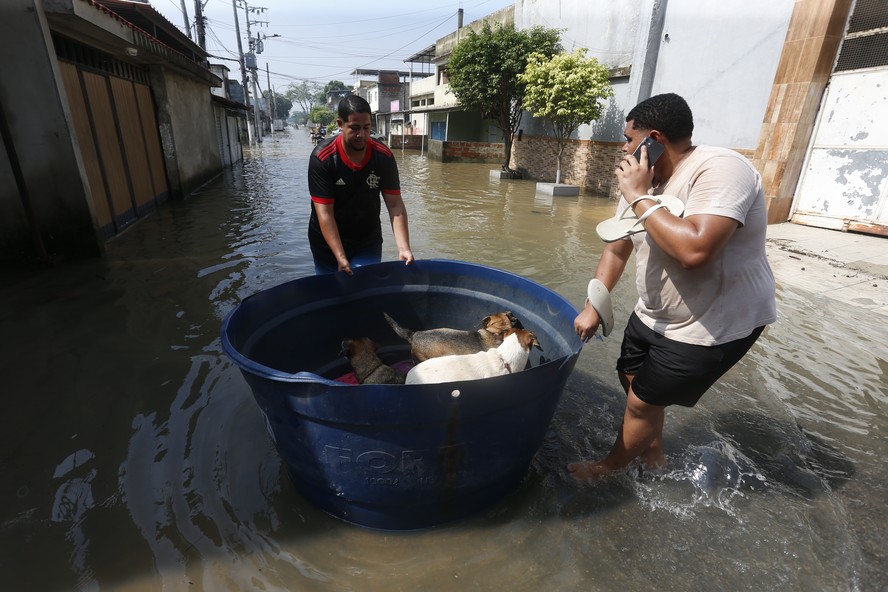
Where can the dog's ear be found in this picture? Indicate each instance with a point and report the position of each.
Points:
(528, 340)
(498, 323)
(513, 320)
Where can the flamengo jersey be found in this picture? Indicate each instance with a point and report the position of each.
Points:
(354, 190)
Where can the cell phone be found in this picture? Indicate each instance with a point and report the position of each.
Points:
(655, 149)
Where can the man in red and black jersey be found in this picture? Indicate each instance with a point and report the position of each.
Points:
(346, 175)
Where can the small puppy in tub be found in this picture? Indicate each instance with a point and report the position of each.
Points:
(511, 356)
(368, 366)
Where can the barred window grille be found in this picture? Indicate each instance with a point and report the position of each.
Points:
(863, 52)
(868, 15)
(866, 42)
(90, 58)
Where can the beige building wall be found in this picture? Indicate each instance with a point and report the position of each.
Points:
(187, 130)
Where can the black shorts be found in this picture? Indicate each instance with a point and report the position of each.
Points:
(668, 372)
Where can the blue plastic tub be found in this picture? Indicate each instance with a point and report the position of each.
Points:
(397, 456)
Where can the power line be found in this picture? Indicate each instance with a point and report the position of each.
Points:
(411, 43)
(334, 50)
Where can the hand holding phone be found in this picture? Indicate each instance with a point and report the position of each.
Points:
(654, 150)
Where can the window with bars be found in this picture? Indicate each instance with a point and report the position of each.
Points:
(866, 41)
(868, 15)
(99, 61)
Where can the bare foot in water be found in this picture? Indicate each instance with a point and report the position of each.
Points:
(656, 462)
(587, 469)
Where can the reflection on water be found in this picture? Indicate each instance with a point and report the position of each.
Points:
(135, 457)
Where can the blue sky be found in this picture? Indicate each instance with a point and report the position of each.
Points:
(323, 41)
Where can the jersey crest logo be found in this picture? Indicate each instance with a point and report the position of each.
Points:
(340, 182)
(373, 180)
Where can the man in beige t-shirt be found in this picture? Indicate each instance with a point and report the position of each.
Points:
(705, 288)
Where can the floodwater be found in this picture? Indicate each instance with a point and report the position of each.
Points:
(135, 458)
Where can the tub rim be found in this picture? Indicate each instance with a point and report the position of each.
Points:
(262, 371)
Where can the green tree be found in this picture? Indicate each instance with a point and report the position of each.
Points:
(329, 87)
(568, 89)
(484, 69)
(303, 96)
(281, 107)
(321, 115)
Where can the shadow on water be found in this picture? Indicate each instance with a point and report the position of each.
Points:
(757, 451)
(734, 452)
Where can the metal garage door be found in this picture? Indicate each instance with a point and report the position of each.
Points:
(116, 128)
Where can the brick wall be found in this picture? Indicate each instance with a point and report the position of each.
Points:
(589, 164)
(586, 163)
(410, 141)
(466, 151)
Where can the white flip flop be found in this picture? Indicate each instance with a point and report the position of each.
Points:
(626, 223)
(600, 299)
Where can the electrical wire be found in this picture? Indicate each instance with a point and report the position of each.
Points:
(334, 41)
(408, 44)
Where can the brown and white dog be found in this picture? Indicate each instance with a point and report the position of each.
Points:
(433, 343)
(368, 367)
(511, 356)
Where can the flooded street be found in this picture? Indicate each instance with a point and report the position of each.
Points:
(134, 456)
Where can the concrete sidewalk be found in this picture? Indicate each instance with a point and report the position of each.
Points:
(849, 267)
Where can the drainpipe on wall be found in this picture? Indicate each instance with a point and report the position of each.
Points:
(648, 51)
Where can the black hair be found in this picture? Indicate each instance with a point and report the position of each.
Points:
(667, 113)
(353, 104)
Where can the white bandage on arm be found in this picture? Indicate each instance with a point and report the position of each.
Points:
(598, 296)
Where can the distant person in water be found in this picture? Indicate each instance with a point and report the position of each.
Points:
(705, 288)
(346, 176)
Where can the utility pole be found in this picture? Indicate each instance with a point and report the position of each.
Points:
(273, 108)
(248, 61)
(240, 52)
(251, 65)
(200, 24)
(256, 106)
(185, 16)
(255, 47)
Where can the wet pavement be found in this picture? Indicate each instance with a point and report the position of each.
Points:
(134, 456)
(848, 267)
